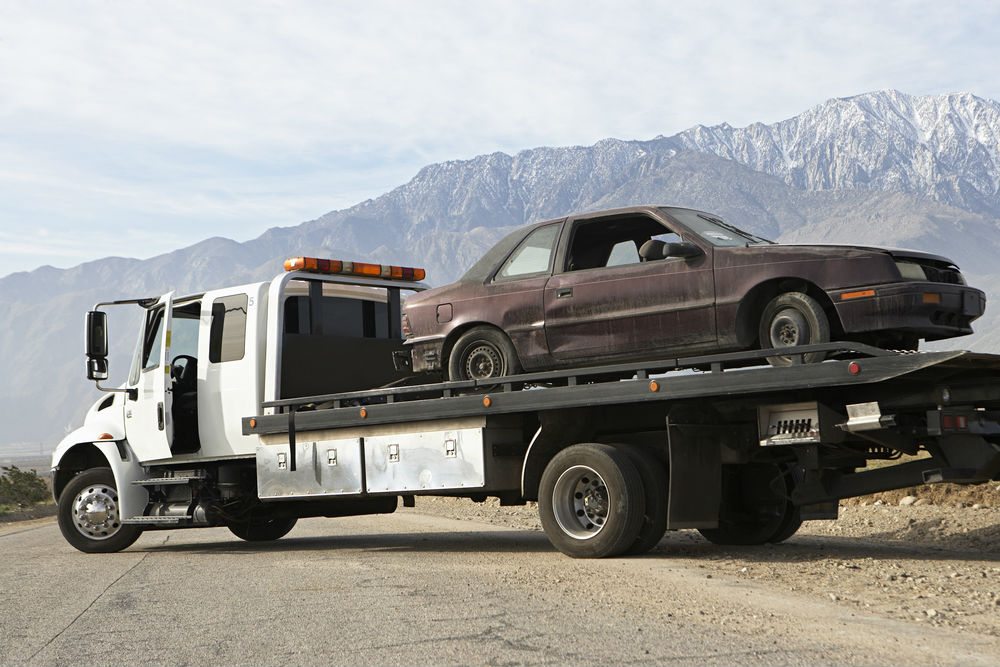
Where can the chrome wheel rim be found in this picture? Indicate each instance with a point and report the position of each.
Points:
(581, 502)
(789, 329)
(95, 512)
(482, 362)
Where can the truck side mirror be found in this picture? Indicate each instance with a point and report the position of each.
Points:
(97, 345)
(97, 368)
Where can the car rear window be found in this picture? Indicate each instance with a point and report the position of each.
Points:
(533, 256)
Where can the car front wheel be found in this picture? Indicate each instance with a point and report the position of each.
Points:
(790, 320)
(482, 353)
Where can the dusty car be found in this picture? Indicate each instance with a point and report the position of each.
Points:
(635, 283)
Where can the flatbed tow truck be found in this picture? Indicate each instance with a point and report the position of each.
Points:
(270, 416)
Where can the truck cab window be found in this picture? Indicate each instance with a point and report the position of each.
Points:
(227, 339)
(153, 340)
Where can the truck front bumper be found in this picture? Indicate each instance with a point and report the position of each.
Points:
(930, 310)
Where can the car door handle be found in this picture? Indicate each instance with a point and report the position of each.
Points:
(564, 292)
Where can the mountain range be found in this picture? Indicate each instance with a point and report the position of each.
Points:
(879, 168)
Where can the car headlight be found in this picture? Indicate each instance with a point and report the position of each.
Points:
(911, 271)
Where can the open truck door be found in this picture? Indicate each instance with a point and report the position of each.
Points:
(148, 420)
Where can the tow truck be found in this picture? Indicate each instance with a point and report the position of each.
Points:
(253, 406)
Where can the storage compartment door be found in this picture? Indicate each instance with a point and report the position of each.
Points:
(432, 460)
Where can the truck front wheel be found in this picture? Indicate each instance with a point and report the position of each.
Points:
(262, 529)
(89, 516)
(591, 501)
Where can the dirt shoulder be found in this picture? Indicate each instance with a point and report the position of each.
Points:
(13, 515)
(934, 564)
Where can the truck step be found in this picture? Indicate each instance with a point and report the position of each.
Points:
(156, 519)
(157, 481)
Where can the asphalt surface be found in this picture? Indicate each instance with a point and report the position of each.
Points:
(412, 589)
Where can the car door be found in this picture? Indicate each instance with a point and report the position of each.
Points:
(148, 423)
(614, 305)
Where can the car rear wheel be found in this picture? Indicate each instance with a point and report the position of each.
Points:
(482, 353)
(790, 320)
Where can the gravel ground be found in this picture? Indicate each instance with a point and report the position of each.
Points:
(928, 563)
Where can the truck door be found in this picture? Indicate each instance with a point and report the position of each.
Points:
(148, 424)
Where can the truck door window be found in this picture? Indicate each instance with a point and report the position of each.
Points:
(153, 339)
(227, 339)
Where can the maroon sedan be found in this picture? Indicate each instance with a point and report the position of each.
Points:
(635, 283)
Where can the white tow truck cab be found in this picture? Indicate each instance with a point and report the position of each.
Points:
(253, 406)
(201, 363)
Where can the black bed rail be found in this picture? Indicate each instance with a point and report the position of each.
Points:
(714, 363)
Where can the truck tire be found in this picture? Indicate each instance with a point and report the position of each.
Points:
(754, 510)
(655, 483)
(482, 353)
(591, 501)
(792, 319)
(89, 516)
(262, 529)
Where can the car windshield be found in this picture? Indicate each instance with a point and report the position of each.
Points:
(714, 230)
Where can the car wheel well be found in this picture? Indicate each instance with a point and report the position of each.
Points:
(753, 304)
(83, 456)
(456, 333)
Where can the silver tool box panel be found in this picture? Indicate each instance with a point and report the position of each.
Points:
(446, 459)
(322, 468)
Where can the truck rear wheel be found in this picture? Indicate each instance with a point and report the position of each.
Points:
(89, 514)
(654, 482)
(591, 501)
(756, 507)
(262, 529)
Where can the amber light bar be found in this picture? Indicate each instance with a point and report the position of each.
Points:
(337, 266)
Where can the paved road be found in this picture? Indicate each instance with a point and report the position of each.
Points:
(411, 589)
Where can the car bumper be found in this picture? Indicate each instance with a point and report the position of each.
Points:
(426, 355)
(931, 310)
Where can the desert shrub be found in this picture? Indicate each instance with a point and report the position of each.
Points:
(21, 487)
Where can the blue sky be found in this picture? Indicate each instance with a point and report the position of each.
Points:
(134, 128)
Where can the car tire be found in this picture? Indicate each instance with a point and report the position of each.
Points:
(591, 501)
(792, 319)
(482, 353)
(101, 529)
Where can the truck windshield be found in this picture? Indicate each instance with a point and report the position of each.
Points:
(713, 229)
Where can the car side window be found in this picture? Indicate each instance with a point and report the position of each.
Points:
(609, 242)
(533, 256)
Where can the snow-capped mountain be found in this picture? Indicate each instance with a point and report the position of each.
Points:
(883, 168)
(945, 147)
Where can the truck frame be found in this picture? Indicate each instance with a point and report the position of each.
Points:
(285, 403)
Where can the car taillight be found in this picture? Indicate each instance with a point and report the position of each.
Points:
(405, 326)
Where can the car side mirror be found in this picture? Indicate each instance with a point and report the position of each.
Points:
(97, 345)
(654, 249)
(684, 250)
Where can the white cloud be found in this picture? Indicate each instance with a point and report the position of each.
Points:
(246, 115)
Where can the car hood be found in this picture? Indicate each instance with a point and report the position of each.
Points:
(901, 253)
